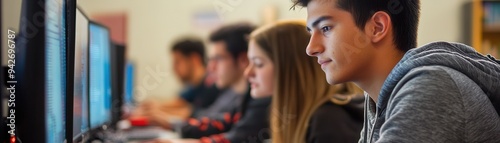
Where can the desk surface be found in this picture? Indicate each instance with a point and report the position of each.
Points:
(162, 133)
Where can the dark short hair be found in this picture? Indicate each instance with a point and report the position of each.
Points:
(234, 36)
(404, 15)
(189, 46)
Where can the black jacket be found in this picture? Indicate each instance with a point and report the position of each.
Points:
(249, 123)
(332, 123)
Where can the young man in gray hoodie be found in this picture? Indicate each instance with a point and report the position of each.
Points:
(440, 92)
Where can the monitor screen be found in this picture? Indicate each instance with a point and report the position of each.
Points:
(129, 84)
(55, 70)
(80, 90)
(100, 79)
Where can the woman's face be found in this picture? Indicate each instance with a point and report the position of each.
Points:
(260, 72)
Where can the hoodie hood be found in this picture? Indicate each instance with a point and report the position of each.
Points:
(483, 70)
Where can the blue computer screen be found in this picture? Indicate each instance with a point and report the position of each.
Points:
(55, 70)
(100, 76)
(80, 88)
(129, 84)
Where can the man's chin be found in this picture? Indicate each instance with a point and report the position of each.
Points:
(220, 85)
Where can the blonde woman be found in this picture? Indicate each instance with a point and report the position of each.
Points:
(305, 108)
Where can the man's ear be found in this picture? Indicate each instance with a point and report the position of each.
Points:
(379, 26)
(243, 60)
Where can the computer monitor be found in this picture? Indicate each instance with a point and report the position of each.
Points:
(100, 76)
(55, 70)
(128, 98)
(129, 84)
(117, 84)
(80, 116)
(40, 99)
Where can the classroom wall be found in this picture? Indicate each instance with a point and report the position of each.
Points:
(444, 20)
(11, 11)
(154, 24)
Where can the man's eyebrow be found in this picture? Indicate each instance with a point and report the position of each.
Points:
(322, 18)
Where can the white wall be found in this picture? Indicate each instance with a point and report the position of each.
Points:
(443, 20)
(11, 11)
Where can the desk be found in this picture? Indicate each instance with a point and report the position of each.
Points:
(150, 131)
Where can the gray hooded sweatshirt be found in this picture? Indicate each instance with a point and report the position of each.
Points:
(439, 93)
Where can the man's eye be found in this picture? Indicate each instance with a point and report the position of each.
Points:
(326, 28)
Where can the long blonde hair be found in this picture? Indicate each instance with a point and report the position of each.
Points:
(300, 84)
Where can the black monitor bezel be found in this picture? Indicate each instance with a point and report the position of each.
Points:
(117, 52)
